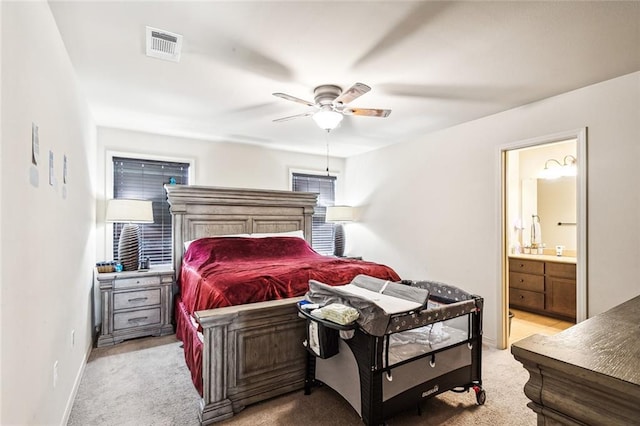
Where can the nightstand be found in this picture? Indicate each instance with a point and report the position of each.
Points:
(135, 304)
(350, 257)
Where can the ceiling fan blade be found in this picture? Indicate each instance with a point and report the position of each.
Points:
(368, 112)
(294, 99)
(352, 93)
(291, 117)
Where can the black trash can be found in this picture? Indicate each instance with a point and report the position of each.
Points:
(510, 317)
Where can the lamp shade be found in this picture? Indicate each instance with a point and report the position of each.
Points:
(129, 211)
(339, 214)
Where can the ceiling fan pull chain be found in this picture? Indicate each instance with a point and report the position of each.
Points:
(326, 137)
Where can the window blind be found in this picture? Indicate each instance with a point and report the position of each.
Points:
(144, 180)
(324, 186)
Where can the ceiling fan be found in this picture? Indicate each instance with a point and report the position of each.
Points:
(330, 105)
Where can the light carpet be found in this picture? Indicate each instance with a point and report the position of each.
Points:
(146, 382)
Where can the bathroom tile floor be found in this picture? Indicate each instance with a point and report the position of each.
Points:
(524, 324)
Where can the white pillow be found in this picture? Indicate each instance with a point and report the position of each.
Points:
(187, 243)
(299, 234)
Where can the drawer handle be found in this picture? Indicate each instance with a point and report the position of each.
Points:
(521, 280)
(138, 299)
(137, 319)
(521, 297)
(522, 265)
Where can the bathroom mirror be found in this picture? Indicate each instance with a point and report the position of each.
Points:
(556, 205)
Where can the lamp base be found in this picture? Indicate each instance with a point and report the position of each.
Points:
(338, 240)
(129, 246)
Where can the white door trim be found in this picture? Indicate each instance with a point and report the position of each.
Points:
(581, 204)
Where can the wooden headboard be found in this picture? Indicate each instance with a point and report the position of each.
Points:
(201, 211)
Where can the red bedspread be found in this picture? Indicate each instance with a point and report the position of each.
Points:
(226, 271)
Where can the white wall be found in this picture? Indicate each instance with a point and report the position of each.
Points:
(48, 243)
(215, 163)
(431, 207)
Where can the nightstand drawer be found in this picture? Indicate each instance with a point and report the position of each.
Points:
(138, 318)
(136, 282)
(136, 299)
(526, 281)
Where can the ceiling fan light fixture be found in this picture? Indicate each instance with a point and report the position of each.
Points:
(327, 119)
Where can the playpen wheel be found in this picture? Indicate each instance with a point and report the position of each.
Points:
(481, 395)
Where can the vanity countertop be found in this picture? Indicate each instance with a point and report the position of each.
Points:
(544, 258)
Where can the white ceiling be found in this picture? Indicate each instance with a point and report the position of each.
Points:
(435, 64)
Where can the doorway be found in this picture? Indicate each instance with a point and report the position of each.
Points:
(538, 215)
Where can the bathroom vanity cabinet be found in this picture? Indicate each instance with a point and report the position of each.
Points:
(543, 286)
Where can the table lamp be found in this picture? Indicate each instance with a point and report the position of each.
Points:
(129, 212)
(339, 215)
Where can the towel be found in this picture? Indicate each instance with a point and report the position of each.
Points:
(536, 233)
(339, 313)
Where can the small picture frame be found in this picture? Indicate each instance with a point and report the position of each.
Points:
(51, 173)
(64, 169)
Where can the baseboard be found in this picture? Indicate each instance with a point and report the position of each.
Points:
(76, 386)
(489, 341)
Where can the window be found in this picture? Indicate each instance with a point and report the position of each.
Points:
(325, 187)
(144, 180)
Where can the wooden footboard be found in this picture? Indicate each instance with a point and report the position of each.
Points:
(251, 353)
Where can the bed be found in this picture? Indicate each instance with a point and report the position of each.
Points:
(244, 350)
(406, 342)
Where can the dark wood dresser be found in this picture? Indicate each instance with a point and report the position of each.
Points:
(587, 374)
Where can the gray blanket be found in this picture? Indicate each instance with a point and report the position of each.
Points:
(373, 319)
(401, 291)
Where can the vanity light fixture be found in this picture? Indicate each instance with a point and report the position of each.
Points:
(570, 167)
(566, 168)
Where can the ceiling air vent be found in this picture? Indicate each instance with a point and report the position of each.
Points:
(163, 44)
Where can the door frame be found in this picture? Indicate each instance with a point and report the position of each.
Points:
(580, 135)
